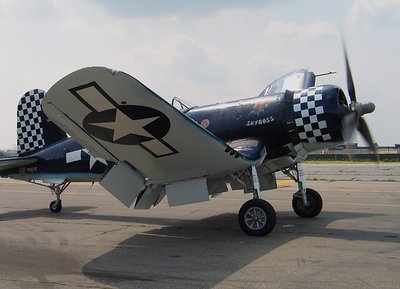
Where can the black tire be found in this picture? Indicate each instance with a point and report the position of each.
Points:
(257, 217)
(55, 207)
(314, 207)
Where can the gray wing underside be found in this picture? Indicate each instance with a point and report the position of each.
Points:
(186, 151)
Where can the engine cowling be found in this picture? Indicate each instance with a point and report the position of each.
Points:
(318, 114)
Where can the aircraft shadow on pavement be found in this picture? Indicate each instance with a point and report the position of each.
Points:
(201, 254)
(83, 213)
(27, 214)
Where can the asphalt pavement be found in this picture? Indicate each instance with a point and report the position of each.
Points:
(95, 242)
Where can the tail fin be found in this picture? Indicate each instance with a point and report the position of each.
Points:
(34, 130)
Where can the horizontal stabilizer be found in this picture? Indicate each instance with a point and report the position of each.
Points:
(10, 163)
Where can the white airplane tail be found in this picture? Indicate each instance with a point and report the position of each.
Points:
(34, 130)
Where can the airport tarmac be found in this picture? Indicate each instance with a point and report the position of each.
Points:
(95, 242)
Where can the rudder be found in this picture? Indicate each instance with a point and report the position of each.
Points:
(34, 130)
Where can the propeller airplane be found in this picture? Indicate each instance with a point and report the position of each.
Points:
(141, 148)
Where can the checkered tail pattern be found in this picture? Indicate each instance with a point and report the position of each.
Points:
(29, 122)
(309, 115)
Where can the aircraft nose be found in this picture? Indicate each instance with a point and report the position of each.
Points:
(310, 115)
(318, 113)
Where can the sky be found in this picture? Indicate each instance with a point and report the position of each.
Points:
(203, 51)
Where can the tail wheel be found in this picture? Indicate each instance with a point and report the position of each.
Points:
(314, 204)
(55, 206)
(257, 217)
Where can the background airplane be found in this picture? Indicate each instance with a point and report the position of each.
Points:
(145, 148)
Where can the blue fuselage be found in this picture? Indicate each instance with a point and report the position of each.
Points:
(270, 120)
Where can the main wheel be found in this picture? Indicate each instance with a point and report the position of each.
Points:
(314, 207)
(257, 217)
(55, 206)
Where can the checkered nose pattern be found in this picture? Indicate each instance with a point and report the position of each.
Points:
(309, 115)
(29, 122)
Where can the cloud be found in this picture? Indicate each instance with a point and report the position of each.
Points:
(290, 45)
(300, 33)
(156, 8)
(22, 9)
(204, 52)
(182, 66)
(374, 13)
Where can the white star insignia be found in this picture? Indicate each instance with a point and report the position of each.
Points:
(124, 125)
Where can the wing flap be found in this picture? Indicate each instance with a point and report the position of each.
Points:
(124, 183)
(177, 193)
(120, 119)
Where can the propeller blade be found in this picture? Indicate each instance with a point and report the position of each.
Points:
(355, 119)
(349, 122)
(350, 83)
(365, 133)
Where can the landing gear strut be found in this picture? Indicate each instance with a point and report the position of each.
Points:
(306, 203)
(57, 189)
(56, 206)
(256, 217)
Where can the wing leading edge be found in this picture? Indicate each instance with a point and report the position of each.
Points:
(118, 118)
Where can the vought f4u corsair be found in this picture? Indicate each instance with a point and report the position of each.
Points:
(141, 148)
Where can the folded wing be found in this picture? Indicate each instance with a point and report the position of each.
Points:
(118, 118)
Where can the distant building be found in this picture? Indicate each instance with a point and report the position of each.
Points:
(8, 153)
(353, 151)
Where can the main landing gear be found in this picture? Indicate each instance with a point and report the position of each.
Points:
(306, 203)
(257, 217)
